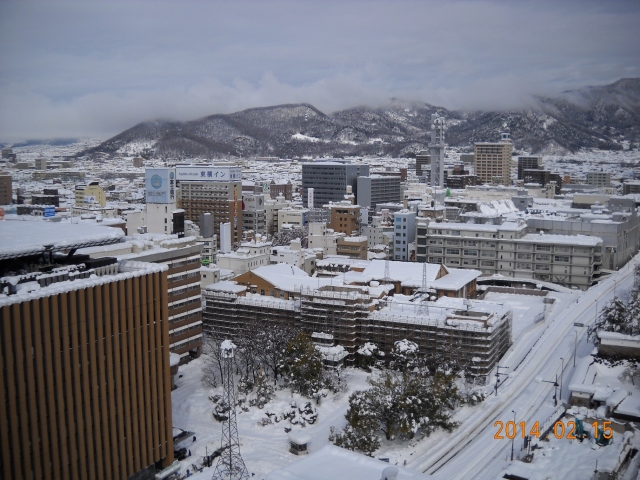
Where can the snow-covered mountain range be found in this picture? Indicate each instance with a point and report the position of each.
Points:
(606, 117)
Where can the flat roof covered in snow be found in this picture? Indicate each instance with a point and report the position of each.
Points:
(19, 238)
(581, 240)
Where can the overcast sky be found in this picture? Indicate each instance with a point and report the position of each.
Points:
(95, 68)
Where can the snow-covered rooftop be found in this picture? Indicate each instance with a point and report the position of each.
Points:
(127, 269)
(409, 274)
(506, 226)
(226, 286)
(288, 278)
(29, 237)
(582, 240)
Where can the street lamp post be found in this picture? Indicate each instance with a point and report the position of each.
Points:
(561, 370)
(575, 348)
(514, 437)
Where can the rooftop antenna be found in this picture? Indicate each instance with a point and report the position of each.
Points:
(230, 464)
(387, 275)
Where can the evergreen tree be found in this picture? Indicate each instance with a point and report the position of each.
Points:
(404, 355)
(401, 405)
(619, 316)
(369, 356)
(303, 365)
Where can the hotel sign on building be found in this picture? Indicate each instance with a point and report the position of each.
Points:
(159, 185)
(208, 173)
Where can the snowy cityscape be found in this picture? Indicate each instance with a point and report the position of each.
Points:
(509, 342)
(233, 246)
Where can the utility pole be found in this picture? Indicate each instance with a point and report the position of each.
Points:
(555, 393)
(575, 348)
(498, 367)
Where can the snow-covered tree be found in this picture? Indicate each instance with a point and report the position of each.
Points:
(401, 404)
(369, 356)
(303, 366)
(634, 312)
(404, 355)
(264, 391)
(272, 341)
(361, 433)
(618, 316)
(284, 237)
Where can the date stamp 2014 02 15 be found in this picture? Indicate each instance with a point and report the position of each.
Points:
(560, 430)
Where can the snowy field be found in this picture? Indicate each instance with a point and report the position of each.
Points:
(263, 448)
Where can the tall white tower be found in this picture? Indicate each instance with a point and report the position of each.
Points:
(230, 465)
(436, 148)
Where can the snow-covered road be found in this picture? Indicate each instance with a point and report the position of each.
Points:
(471, 451)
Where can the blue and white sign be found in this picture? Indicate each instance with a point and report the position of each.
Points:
(208, 173)
(159, 185)
(49, 212)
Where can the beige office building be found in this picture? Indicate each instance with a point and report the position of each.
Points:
(493, 161)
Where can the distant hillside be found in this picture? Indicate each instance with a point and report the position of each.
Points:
(589, 117)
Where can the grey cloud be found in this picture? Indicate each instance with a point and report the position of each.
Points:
(96, 68)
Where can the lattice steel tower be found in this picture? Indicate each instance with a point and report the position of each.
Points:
(230, 465)
(423, 308)
(436, 148)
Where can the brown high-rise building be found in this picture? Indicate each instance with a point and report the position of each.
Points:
(5, 188)
(222, 199)
(84, 359)
(345, 218)
(493, 161)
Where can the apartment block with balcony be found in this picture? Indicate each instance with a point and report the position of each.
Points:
(506, 249)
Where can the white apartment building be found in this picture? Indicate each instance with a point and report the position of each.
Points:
(321, 237)
(293, 216)
(254, 213)
(599, 179)
(250, 255)
(569, 260)
(295, 255)
(209, 249)
(272, 207)
(378, 233)
(404, 234)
